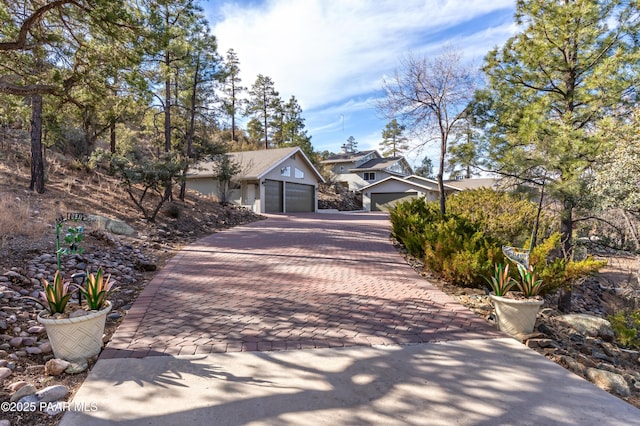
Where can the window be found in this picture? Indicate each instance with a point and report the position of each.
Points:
(369, 176)
(297, 173)
(285, 171)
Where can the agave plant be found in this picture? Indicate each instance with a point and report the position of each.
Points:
(500, 282)
(55, 296)
(97, 290)
(529, 285)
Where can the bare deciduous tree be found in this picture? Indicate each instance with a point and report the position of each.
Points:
(429, 96)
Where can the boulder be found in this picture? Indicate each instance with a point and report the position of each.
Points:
(588, 325)
(609, 381)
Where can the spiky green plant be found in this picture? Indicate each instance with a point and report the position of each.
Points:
(97, 290)
(55, 296)
(500, 282)
(529, 283)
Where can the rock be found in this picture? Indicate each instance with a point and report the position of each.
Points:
(609, 381)
(588, 325)
(53, 393)
(145, 266)
(28, 341)
(36, 329)
(76, 367)
(541, 343)
(114, 316)
(16, 342)
(13, 387)
(27, 389)
(4, 372)
(33, 350)
(45, 347)
(573, 365)
(77, 314)
(55, 367)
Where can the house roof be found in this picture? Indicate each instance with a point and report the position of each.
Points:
(474, 183)
(377, 164)
(401, 180)
(427, 181)
(256, 164)
(348, 157)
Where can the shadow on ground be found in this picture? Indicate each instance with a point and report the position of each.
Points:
(474, 382)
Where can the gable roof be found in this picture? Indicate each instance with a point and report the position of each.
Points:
(348, 157)
(378, 164)
(401, 180)
(424, 181)
(256, 164)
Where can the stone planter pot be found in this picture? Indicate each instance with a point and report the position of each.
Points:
(516, 316)
(76, 339)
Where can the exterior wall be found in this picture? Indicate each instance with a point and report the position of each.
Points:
(395, 186)
(293, 164)
(357, 181)
(204, 185)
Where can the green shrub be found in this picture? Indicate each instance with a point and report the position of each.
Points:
(451, 246)
(502, 216)
(464, 245)
(557, 272)
(626, 326)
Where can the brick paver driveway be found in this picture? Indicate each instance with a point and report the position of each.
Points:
(291, 282)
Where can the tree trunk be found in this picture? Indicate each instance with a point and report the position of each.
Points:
(168, 194)
(192, 121)
(233, 110)
(37, 160)
(112, 136)
(566, 227)
(443, 152)
(564, 300)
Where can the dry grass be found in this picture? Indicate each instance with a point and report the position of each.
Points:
(19, 217)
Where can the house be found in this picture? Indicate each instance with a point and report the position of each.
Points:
(474, 183)
(359, 169)
(270, 181)
(384, 194)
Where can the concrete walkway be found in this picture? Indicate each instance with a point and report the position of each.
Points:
(315, 319)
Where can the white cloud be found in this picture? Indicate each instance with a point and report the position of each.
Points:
(333, 54)
(323, 51)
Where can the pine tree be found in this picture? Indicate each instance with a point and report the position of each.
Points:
(394, 143)
(263, 105)
(573, 64)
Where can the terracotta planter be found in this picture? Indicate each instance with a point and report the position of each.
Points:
(516, 316)
(76, 339)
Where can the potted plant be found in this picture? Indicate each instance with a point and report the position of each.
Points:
(516, 312)
(75, 330)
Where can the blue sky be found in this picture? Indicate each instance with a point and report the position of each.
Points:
(333, 54)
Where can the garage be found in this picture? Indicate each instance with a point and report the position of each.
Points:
(383, 201)
(299, 197)
(273, 196)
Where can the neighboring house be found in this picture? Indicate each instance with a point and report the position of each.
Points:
(359, 169)
(473, 183)
(383, 195)
(270, 181)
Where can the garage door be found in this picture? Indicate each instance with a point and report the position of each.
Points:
(300, 198)
(273, 196)
(386, 200)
